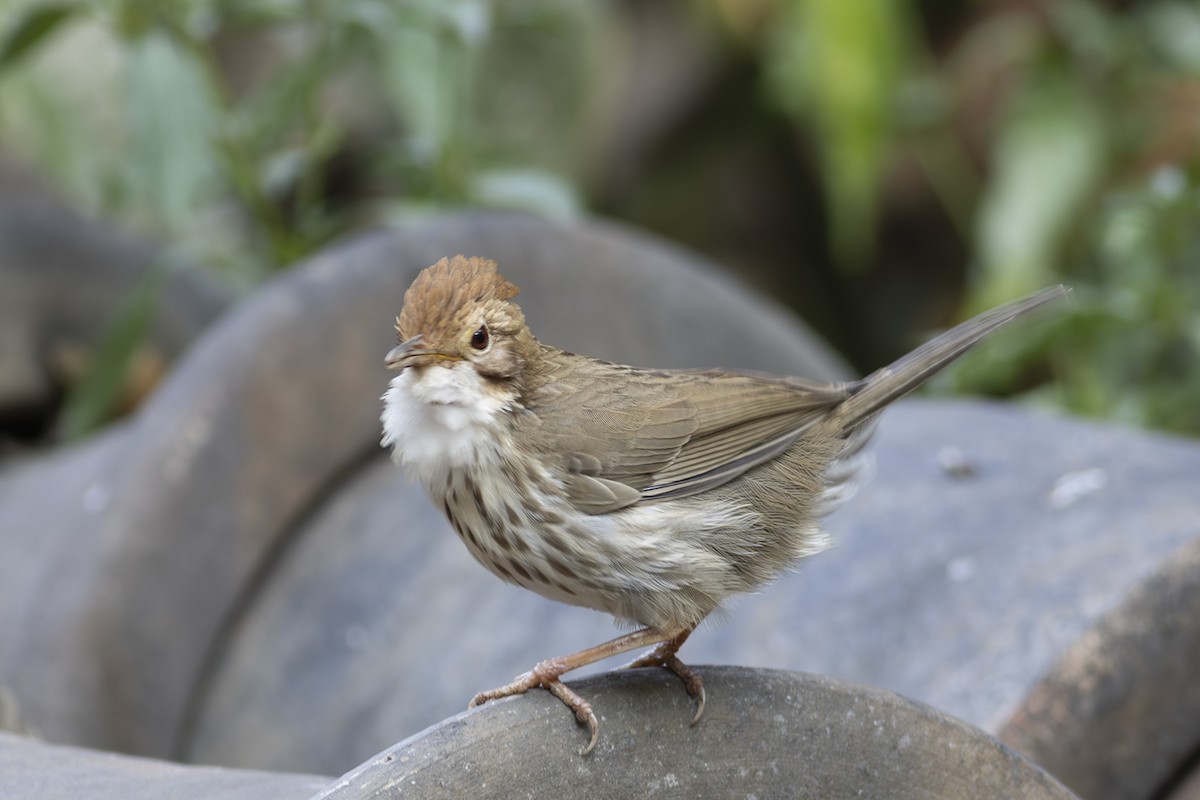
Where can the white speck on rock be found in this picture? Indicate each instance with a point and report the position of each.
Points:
(960, 569)
(954, 462)
(1074, 486)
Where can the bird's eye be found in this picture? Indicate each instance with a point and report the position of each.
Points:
(480, 338)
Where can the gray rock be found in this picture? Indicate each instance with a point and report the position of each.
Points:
(31, 770)
(1119, 713)
(767, 734)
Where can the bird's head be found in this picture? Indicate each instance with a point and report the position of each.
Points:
(460, 311)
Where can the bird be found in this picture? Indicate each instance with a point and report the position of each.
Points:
(652, 495)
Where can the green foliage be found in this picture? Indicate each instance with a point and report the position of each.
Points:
(834, 64)
(1060, 140)
(250, 133)
(90, 402)
(32, 28)
(1048, 157)
(1141, 362)
(133, 106)
(1077, 197)
(1088, 177)
(1128, 345)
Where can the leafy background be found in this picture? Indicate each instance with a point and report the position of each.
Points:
(883, 167)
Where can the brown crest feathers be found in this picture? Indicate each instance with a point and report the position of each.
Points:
(448, 286)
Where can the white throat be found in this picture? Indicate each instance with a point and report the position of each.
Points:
(440, 418)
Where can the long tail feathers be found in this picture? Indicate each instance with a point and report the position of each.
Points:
(878, 389)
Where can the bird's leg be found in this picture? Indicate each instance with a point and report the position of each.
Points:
(546, 674)
(664, 656)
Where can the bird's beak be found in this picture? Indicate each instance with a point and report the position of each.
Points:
(409, 353)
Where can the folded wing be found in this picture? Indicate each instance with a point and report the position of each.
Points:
(629, 437)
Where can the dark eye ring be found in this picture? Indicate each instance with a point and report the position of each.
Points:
(480, 338)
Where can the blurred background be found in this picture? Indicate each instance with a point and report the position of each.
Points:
(883, 168)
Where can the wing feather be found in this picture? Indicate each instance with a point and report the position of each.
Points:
(626, 436)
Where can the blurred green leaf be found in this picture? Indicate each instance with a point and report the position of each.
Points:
(172, 115)
(836, 64)
(56, 112)
(1174, 30)
(1049, 155)
(91, 401)
(426, 71)
(1088, 30)
(529, 190)
(32, 29)
(1127, 348)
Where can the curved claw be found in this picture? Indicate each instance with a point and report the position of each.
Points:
(664, 656)
(546, 675)
(582, 708)
(700, 696)
(594, 725)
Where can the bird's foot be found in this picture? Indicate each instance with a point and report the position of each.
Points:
(664, 656)
(547, 675)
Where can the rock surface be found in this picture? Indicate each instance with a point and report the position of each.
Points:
(32, 770)
(764, 734)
